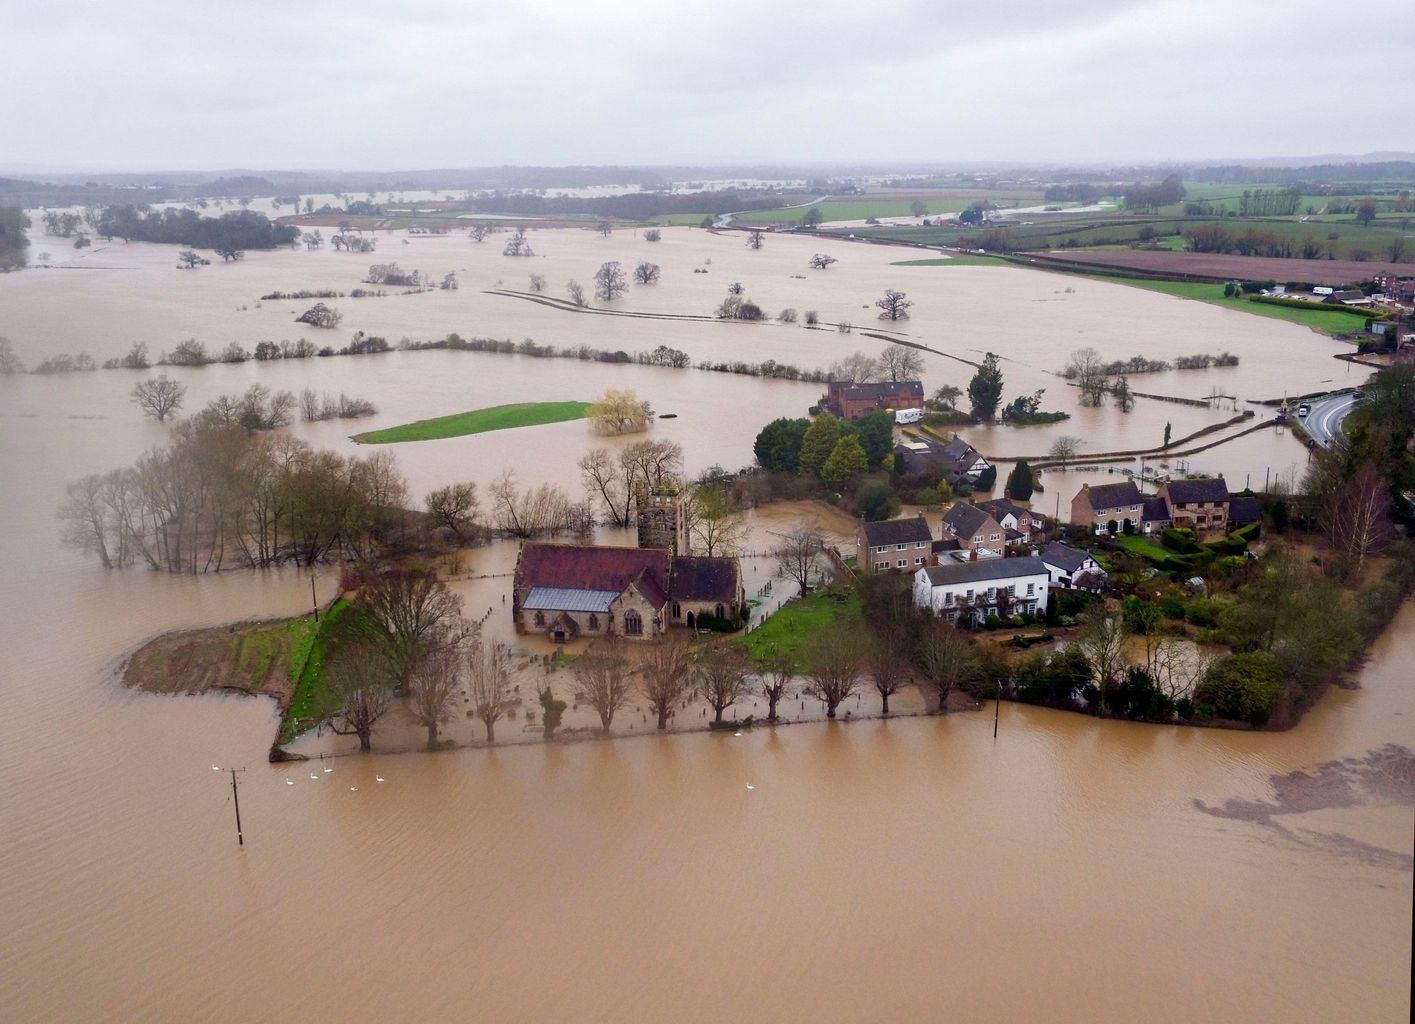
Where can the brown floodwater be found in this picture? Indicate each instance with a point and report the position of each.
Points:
(904, 869)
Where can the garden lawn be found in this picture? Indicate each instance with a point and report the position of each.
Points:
(478, 421)
(791, 629)
(1143, 547)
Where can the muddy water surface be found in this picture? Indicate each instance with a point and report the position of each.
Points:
(911, 869)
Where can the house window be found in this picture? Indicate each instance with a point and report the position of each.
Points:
(970, 595)
(948, 598)
(1031, 589)
(921, 544)
(594, 621)
(1012, 590)
(540, 618)
(992, 594)
(997, 536)
(899, 547)
(919, 560)
(881, 567)
(881, 549)
(903, 562)
(633, 624)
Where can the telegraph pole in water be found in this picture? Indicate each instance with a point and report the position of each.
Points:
(235, 796)
(314, 598)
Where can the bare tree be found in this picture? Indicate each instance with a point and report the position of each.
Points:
(856, 367)
(899, 362)
(454, 506)
(537, 283)
(313, 240)
(714, 522)
(159, 397)
(887, 666)
(576, 292)
(797, 556)
(419, 616)
(1087, 371)
(602, 681)
(432, 690)
(893, 306)
(720, 676)
(489, 685)
(667, 676)
(320, 315)
(604, 228)
(947, 396)
(362, 693)
(478, 232)
(10, 362)
(820, 261)
(832, 668)
(1356, 515)
(775, 681)
(646, 273)
(604, 478)
(610, 282)
(191, 259)
(1102, 641)
(755, 240)
(948, 659)
(518, 244)
(1064, 449)
(653, 235)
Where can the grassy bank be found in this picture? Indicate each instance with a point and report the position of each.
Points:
(478, 421)
(966, 260)
(1337, 320)
(248, 657)
(310, 699)
(790, 631)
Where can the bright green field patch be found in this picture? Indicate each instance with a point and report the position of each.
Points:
(311, 701)
(1330, 321)
(790, 630)
(478, 421)
(1142, 547)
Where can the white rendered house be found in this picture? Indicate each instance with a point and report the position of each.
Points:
(968, 592)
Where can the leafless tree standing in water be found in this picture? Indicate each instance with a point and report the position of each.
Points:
(720, 677)
(420, 616)
(667, 676)
(775, 682)
(832, 668)
(797, 556)
(432, 690)
(159, 397)
(947, 658)
(490, 686)
(602, 682)
(362, 689)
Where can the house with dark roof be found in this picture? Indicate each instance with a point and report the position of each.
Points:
(1244, 509)
(566, 591)
(1022, 524)
(1200, 504)
(973, 529)
(1155, 517)
(968, 592)
(899, 544)
(1069, 567)
(1107, 506)
(850, 400)
(956, 459)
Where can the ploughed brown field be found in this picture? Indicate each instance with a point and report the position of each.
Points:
(1220, 267)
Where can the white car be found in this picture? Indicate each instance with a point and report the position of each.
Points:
(1303, 410)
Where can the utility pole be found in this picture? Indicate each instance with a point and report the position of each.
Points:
(996, 710)
(314, 598)
(235, 796)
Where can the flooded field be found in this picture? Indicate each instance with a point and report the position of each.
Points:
(1072, 869)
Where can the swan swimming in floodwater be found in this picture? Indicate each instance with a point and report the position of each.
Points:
(328, 770)
(379, 778)
(353, 789)
(289, 782)
(315, 777)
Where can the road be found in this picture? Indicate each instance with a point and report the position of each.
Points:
(1324, 421)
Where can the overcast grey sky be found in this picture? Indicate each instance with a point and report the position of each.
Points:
(364, 84)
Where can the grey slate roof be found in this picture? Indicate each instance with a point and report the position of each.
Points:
(1182, 492)
(1244, 509)
(700, 578)
(564, 599)
(964, 519)
(1109, 496)
(1156, 510)
(985, 569)
(913, 530)
(1067, 559)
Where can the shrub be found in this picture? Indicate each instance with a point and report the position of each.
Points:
(1240, 687)
(1178, 538)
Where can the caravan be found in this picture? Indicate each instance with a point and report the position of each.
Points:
(908, 415)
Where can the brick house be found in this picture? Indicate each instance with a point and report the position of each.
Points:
(566, 591)
(1098, 507)
(1155, 517)
(850, 400)
(1022, 525)
(968, 592)
(1197, 504)
(973, 529)
(899, 544)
